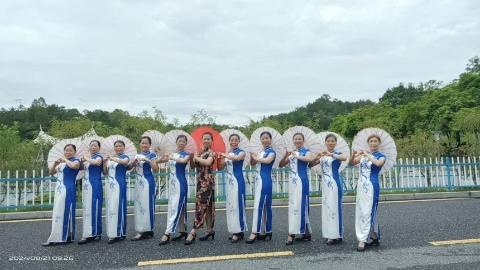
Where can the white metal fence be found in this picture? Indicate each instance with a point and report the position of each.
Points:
(34, 189)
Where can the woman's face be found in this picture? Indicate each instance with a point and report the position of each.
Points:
(331, 143)
(181, 143)
(119, 148)
(234, 141)
(94, 148)
(298, 141)
(207, 141)
(374, 144)
(69, 152)
(144, 145)
(266, 141)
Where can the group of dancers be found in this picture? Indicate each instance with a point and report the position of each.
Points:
(115, 168)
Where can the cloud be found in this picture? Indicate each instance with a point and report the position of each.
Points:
(235, 59)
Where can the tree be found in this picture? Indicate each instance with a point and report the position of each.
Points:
(473, 65)
(401, 95)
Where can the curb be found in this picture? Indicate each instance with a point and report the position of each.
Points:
(276, 202)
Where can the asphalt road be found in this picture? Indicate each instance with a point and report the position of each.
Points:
(406, 227)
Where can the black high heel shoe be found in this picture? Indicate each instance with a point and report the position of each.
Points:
(49, 244)
(187, 242)
(113, 240)
(374, 242)
(252, 240)
(334, 241)
(305, 237)
(148, 234)
(164, 242)
(265, 236)
(83, 241)
(205, 237)
(289, 242)
(238, 235)
(180, 236)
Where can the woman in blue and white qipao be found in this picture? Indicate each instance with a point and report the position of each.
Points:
(262, 211)
(63, 214)
(92, 194)
(235, 189)
(178, 191)
(115, 168)
(368, 192)
(332, 190)
(298, 190)
(145, 165)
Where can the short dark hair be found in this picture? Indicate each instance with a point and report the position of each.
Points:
(266, 132)
(331, 136)
(72, 145)
(146, 137)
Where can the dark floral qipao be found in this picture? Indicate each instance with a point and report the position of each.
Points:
(205, 190)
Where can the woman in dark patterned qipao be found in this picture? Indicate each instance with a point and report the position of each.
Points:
(205, 203)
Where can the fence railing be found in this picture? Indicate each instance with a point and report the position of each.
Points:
(35, 190)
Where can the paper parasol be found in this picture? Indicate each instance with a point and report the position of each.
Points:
(108, 147)
(278, 143)
(218, 145)
(57, 150)
(312, 142)
(342, 146)
(387, 145)
(191, 146)
(244, 143)
(160, 144)
(172, 138)
(91, 135)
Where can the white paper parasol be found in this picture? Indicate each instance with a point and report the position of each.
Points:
(278, 143)
(342, 146)
(191, 146)
(57, 150)
(108, 147)
(387, 145)
(172, 137)
(160, 144)
(312, 142)
(244, 143)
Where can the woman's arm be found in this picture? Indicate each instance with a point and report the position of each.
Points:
(192, 160)
(285, 160)
(132, 164)
(376, 162)
(105, 168)
(153, 163)
(306, 158)
(267, 160)
(183, 160)
(123, 161)
(72, 164)
(315, 161)
(53, 170)
(253, 158)
(340, 157)
(221, 161)
(355, 159)
(205, 162)
(163, 159)
(96, 161)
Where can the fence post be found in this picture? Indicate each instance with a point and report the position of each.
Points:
(449, 175)
(224, 188)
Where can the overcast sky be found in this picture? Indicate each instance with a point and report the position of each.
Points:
(235, 59)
